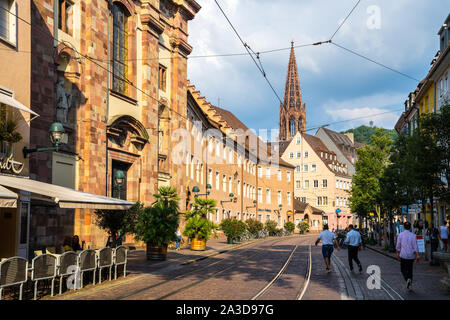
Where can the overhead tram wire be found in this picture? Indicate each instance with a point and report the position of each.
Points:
(342, 23)
(247, 47)
(93, 60)
(373, 61)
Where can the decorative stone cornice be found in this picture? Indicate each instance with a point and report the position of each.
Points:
(182, 46)
(153, 23)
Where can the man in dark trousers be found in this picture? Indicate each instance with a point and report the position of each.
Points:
(407, 253)
(353, 241)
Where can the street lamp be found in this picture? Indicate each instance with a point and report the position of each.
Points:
(119, 178)
(196, 190)
(254, 205)
(231, 195)
(56, 133)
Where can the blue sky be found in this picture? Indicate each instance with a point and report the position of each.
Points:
(335, 84)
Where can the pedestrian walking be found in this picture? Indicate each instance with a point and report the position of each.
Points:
(353, 241)
(407, 253)
(328, 238)
(444, 235)
(178, 233)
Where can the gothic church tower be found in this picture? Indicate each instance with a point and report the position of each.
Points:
(292, 111)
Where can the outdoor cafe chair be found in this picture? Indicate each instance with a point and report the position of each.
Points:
(120, 258)
(105, 260)
(13, 271)
(67, 266)
(43, 267)
(87, 261)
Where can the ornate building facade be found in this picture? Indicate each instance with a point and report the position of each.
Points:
(113, 72)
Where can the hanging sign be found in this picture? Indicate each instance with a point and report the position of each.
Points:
(9, 164)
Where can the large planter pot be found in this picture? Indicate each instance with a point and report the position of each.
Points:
(198, 244)
(156, 253)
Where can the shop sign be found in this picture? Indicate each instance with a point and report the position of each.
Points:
(9, 164)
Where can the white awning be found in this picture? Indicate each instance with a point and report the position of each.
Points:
(64, 197)
(7, 98)
(8, 199)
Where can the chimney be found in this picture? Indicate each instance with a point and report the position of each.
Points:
(351, 136)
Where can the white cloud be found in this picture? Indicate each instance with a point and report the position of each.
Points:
(383, 109)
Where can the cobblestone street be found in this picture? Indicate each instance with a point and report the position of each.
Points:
(239, 272)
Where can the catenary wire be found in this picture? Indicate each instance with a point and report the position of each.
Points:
(93, 60)
(342, 23)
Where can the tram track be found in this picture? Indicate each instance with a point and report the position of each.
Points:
(203, 271)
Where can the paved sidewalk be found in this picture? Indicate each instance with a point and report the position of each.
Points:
(139, 268)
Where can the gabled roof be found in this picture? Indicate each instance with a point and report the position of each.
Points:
(300, 207)
(343, 143)
(321, 150)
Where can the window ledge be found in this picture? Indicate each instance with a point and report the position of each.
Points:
(123, 97)
(9, 43)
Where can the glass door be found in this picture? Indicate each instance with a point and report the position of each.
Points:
(24, 229)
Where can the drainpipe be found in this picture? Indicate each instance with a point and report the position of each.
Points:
(107, 94)
(55, 22)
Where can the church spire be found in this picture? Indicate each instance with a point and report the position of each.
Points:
(292, 110)
(292, 91)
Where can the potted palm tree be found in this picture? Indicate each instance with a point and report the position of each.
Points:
(198, 228)
(158, 223)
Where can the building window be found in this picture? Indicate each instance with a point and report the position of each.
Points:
(279, 198)
(217, 181)
(279, 175)
(292, 127)
(305, 168)
(306, 154)
(291, 155)
(162, 78)
(297, 169)
(210, 176)
(8, 20)
(230, 185)
(239, 187)
(260, 195)
(119, 191)
(65, 16)
(268, 196)
(324, 183)
(313, 168)
(306, 184)
(120, 49)
(288, 198)
(298, 184)
(288, 176)
(259, 172)
(224, 183)
(268, 173)
(316, 183)
(299, 155)
(299, 139)
(259, 217)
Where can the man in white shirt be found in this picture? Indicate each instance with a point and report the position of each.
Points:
(327, 237)
(353, 240)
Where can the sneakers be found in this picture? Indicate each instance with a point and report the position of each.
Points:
(328, 270)
(409, 284)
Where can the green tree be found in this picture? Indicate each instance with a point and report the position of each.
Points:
(198, 226)
(289, 226)
(158, 223)
(118, 222)
(271, 227)
(254, 226)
